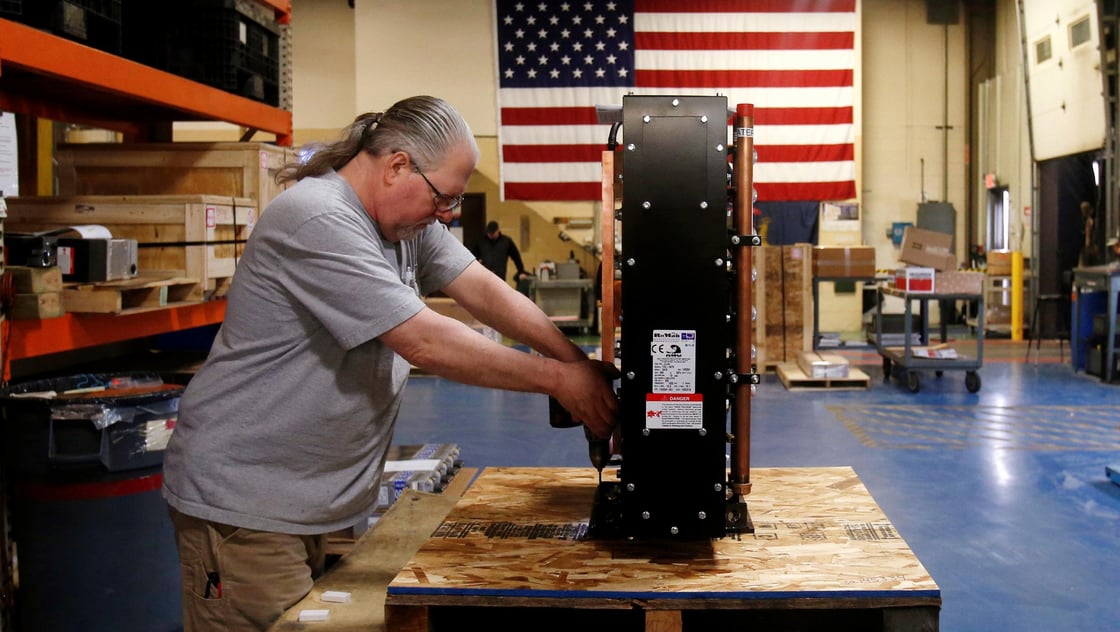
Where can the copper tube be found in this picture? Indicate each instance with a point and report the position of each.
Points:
(743, 222)
(609, 318)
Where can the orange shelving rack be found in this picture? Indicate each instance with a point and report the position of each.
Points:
(53, 78)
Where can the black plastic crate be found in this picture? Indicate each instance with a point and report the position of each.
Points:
(11, 10)
(95, 23)
(233, 45)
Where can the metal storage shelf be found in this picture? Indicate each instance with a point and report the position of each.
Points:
(50, 77)
(568, 302)
(903, 357)
(1106, 279)
(817, 280)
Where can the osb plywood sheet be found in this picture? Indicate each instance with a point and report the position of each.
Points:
(521, 533)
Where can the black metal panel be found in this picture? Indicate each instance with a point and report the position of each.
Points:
(675, 338)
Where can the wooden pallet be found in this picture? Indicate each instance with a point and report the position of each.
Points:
(796, 380)
(516, 546)
(131, 295)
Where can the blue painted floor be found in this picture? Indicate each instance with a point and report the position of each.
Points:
(1001, 494)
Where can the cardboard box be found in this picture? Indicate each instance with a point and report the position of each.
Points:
(197, 236)
(823, 365)
(843, 261)
(927, 248)
(999, 262)
(915, 279)
(960, 282)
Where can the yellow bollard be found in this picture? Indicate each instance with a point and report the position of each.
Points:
(1016, 295)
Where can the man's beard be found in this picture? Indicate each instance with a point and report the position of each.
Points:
(406, 233)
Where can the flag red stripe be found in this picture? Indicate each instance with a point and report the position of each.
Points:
(742, 78)
(767, 192)
(762, 116)
(566, 191)
(592, 153)
(738, 6)
(804, 191)
(805, 153)
(803, 116)
(659, 40)
(554, 153)
(549, 116)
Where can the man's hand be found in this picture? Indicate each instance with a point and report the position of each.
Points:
(587, 392)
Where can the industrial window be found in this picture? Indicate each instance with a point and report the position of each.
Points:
(1079, 32)
(1042, 50)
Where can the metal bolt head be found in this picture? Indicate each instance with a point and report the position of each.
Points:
(734, 379)
(631, 262)
(631, 147)
(645, 432)
(735, 240)
(645, 515)
(704, 204)
(646, 204)
(718, 375)
(703, 432)
(718, 487)
(719, 262)
(674, 530)
(720, 147)
(629, 487)
(646, 119)
(703, 118)
(727, 318)
(630, 375)
(676, 102)
(702, 515)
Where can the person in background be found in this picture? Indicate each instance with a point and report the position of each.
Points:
(1114, 248)
(282, 434)
(1090, 252)
(496, 249)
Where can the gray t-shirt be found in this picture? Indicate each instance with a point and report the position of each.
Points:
(286, 426)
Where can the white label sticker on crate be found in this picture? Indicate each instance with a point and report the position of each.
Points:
(157, 433)
(673, 352)
(676, 411)
(211, 217)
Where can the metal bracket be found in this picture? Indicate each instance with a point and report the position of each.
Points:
(745, 378)
(746, 240)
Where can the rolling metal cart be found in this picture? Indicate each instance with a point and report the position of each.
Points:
(905, 360)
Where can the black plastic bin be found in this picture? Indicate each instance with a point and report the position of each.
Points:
(95, 544)
(95, 419)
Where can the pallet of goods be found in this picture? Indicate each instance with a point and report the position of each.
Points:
(199, 237)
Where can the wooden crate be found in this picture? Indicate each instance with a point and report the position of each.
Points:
(245, 170)
(797, 279)
(195, 236)
(783, 299)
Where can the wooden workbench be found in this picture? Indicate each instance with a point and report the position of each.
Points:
(378, 555)
(513, 553)
(516, 543)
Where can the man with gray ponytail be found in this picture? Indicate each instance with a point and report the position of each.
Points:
(282, 434)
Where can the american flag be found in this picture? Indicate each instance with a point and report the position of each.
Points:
(793, 59)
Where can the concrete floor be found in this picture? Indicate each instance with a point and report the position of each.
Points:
(1002, 494)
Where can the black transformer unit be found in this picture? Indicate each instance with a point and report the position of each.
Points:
(677, 323)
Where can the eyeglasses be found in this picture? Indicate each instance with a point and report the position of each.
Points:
(444, 203)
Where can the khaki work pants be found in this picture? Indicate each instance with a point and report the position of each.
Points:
(237, 579)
